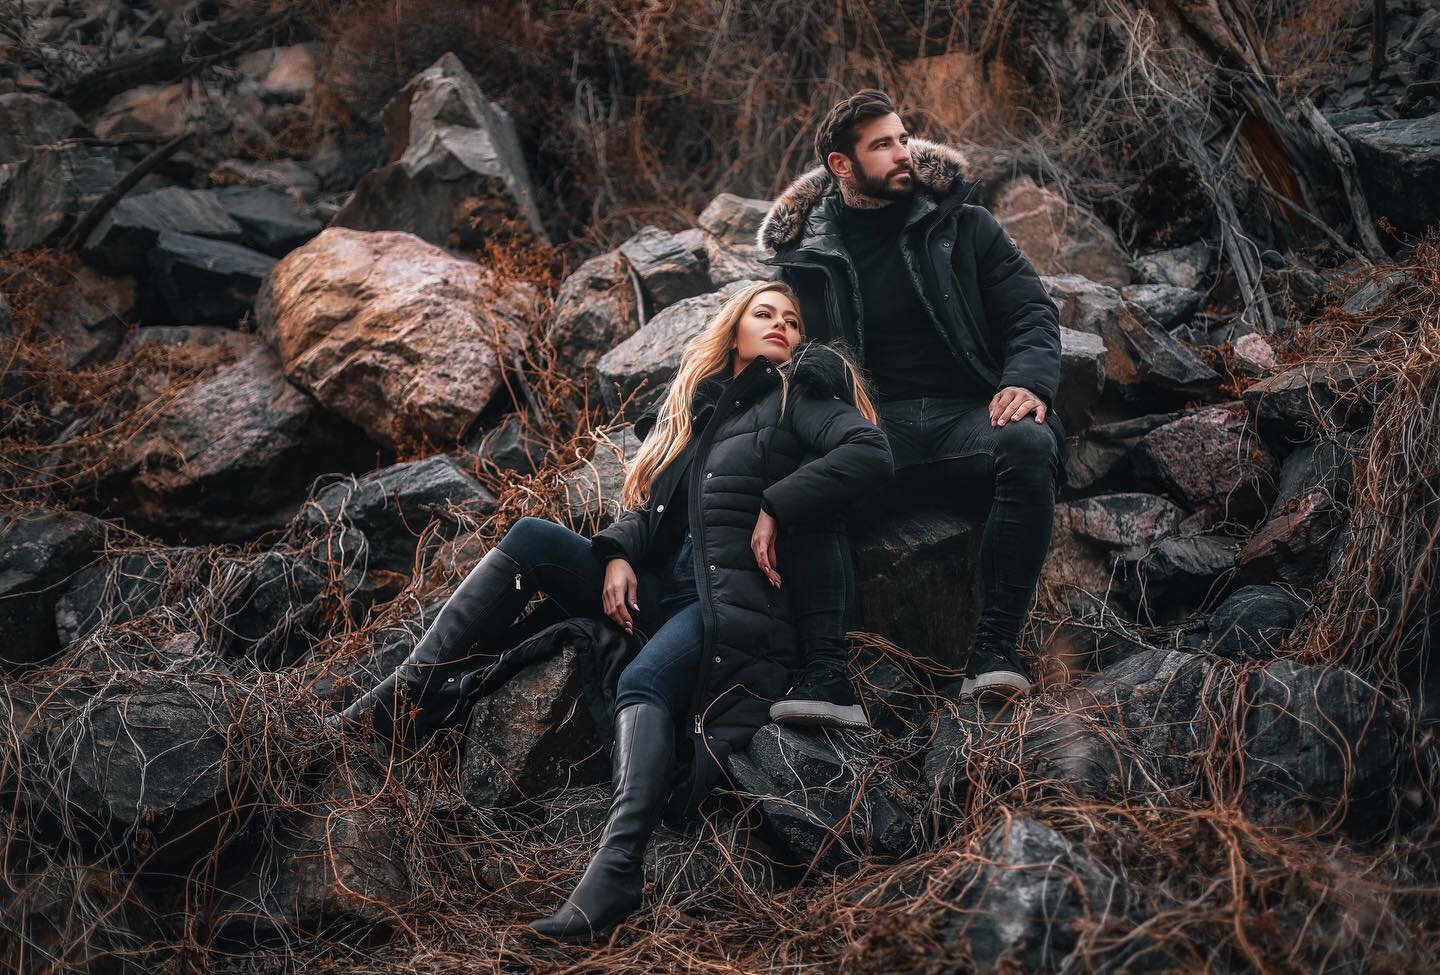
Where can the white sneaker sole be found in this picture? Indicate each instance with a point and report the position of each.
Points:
(819, 714)
(996, 685)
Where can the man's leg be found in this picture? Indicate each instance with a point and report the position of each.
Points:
(1016, 466)
(815, 564)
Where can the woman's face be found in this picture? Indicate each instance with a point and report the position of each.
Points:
(770, 327)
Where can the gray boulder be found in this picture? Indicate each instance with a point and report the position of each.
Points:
(668, 271)
(226, 457)
(28, 119)
(734, 220)
(1175, 575)
(1166, 305)
(1299, 404)
(1180, 267)
(1090, 538)
(123, 239)
(206, 281)
(592, 487)
(1399, 165)
(1252, 621)
(1142, 357)
(148, 752)
(1027, 906)
(44, 194)
(532, 735)
(594, 311)
(40, 551)
(1101, 458)
(637, 370)
(335, 869)
(270, 221)
(457, 176)
(78, 917)
(815, 801)
(395, 507)
(1082, 377)
(917, 581)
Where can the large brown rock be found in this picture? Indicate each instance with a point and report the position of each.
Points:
(1059, 237)
(457, 176)
(391, 333)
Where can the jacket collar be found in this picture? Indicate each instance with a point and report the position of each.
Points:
(814, 367)
(807, 213)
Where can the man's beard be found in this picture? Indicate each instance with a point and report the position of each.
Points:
(882, 187)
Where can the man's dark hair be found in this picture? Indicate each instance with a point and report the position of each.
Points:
(841, 128)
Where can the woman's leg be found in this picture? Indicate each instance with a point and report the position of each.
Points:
(435, 679)
(654, 688)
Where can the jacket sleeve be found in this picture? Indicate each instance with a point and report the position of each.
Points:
(1016, 299)
(854, 459)
(624, 538)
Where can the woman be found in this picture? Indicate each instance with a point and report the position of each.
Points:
(756, 433)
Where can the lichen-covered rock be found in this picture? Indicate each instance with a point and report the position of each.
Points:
(531, 735)
(1089, 538)
(392, 333)
(1209, 459)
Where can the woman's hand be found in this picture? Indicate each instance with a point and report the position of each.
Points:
(618, 596)
(762, 543)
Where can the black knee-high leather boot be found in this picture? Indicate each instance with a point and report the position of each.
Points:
(427, 690)
(611, 887)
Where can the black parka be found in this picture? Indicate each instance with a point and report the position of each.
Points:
(978, 289)
(818, 457)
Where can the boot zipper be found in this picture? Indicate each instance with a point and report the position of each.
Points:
(697, 724)
(517, 580)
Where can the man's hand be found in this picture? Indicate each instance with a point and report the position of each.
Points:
(618, 595)
(1014, 402)
(762, 543)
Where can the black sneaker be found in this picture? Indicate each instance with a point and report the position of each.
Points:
(995, 672)
(822, 697)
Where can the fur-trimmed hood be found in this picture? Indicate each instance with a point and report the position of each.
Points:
(938, 169)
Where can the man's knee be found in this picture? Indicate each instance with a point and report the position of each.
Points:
(1028, 441)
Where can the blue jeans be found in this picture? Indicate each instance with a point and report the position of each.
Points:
(949, 447)
(561, 564)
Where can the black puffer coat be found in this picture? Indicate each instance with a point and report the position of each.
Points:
(978, 289)
(821, 455)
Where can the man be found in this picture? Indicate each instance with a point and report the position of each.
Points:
(956, 333)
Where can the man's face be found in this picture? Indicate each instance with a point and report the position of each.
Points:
(881, 167)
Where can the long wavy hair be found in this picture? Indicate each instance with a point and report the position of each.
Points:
(708, 353)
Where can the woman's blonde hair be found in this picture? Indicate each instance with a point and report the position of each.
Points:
(706, 354)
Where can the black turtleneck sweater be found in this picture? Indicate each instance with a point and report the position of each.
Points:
(904, 352)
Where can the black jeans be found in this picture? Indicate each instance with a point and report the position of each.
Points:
(948, 448)
(561, 564)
